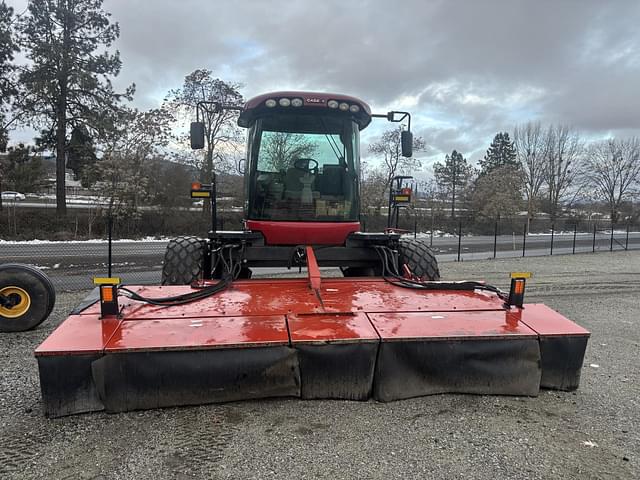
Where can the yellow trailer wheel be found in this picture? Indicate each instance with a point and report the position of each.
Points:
(20, 301)
(27, 297)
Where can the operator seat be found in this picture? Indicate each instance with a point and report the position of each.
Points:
(292, 183)
(331, 182)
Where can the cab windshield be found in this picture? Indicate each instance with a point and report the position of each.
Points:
(304, 167)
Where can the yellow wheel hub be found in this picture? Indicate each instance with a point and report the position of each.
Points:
(19, 309)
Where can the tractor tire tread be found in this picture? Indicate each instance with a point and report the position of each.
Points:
(416, 253)
(183, 261)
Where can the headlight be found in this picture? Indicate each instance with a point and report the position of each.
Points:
(344, 106)
(354, 108)
(332, 104)
(296, 102)
(284, 102)
(270, 103)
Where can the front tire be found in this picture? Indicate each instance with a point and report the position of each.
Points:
(32, 296)
(418, 256)
(183, 261)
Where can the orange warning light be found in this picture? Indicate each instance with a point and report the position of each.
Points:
(106, 293)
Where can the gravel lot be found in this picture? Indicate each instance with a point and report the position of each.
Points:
(591, 433)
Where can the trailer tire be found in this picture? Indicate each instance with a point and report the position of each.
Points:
(416, 253)
(34, 293)
(183, 261)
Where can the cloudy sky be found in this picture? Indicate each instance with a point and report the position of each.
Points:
(466, 69)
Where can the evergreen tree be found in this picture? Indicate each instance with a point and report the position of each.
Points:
(498, 193)
(454, 176)
(23, 169)
(66, 84)
(81, 155)
(501, 153)
(7, 85)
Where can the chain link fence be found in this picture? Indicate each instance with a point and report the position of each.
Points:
(73, 263)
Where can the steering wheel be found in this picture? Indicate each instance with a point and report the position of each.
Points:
(304, 164)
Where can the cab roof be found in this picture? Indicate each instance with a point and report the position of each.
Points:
(312, 102)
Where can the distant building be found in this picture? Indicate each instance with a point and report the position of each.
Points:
(72, 186)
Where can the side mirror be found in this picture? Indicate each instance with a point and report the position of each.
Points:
(196, 134)
(241, 166)
(406, 141)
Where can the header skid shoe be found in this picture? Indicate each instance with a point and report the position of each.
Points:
(337, 338)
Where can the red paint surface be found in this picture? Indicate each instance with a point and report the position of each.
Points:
(80, 334)
(331, 328)
(548, 322)
(312, 268)
(287, 296)
(252, 312)
(303, 233)
(447, 325)
(199, 333)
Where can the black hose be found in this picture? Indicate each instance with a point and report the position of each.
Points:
(231, 271)
(390, 274)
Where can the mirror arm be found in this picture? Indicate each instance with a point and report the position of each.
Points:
(213, 107)
(391, 116)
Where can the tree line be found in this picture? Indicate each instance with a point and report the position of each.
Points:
(539, 169)
(547, 168)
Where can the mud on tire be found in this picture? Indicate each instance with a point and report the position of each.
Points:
(419, 257)
(183, 261)
(33, 292)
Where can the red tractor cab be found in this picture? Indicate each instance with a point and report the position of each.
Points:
(302, 187)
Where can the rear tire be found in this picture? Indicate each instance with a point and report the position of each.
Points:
(34, 293)
(183, 261)
(419, 257)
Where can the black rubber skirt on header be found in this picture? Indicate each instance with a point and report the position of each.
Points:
(412, 368)
(120, 382)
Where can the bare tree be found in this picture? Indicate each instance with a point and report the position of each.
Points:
(564, 148)
(372, 188)
(389, 147)
(124, 168)
(530, 152)
(219, 127)
(281, 148)
(613, 168)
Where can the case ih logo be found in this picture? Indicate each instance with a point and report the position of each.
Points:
(314, 100)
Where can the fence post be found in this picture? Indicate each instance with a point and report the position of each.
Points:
(110, 232)
(553, 228)
(524, 239)
(459, 238)
(611, 240)
(595, 226)
(495, 239)
(575, 230)
(626, 243)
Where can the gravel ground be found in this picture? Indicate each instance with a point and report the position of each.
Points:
(591, 433)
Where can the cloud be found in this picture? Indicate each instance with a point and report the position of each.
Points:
(465, 69)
